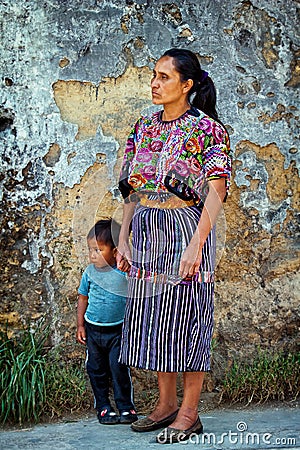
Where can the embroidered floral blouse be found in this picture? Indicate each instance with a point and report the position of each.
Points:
(179, 156)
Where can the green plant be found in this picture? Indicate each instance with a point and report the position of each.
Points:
(36, 380)
(267, 377)
(22, 378)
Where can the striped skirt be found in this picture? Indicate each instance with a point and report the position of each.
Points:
(168, 322)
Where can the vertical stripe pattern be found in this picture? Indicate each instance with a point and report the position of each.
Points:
(168, 324)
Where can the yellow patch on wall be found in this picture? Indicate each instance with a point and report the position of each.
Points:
(281, 182)
(114, 104)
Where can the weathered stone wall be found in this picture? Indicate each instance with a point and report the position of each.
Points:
(74, 77)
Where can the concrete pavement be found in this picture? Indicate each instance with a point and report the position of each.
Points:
(252, 428)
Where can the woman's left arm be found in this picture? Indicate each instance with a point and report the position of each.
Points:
(191, 258)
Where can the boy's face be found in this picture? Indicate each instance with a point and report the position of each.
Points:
(101, 254)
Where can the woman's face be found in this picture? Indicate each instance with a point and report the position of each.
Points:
(167, 89)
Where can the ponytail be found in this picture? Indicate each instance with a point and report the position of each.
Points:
(204, 97)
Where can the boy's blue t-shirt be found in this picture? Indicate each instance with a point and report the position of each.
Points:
(106, 289)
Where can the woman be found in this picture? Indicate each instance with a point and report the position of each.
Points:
(174, 178)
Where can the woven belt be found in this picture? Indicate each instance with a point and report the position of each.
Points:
(163, 201)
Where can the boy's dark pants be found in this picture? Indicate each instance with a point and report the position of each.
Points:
(103, 349)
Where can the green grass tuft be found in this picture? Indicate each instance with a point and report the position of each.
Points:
(36, 381)
(267, 377)
(22, 378)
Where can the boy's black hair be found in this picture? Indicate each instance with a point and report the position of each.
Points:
(106, 231)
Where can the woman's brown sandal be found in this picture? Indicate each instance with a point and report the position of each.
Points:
(173, 435)
(147, 424)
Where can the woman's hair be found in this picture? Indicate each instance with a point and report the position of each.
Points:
(106, 231)
(188, 66)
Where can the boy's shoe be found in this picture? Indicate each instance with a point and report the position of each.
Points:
(107, 417)
(128, 416)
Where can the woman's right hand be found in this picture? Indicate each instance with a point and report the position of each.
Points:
(123, 257)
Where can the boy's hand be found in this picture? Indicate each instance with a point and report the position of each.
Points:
(81, 335)
(123, 257)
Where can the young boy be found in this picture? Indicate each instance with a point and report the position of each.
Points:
(100, 312)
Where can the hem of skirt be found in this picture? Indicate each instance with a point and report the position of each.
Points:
(159, 369)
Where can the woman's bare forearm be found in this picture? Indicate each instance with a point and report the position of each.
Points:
(191, 258)
(128, 211)
(212, 206)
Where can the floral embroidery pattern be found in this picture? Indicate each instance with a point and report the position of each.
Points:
(192, 149)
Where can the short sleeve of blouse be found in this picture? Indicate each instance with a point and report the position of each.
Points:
(125, 188)
(216, 155)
